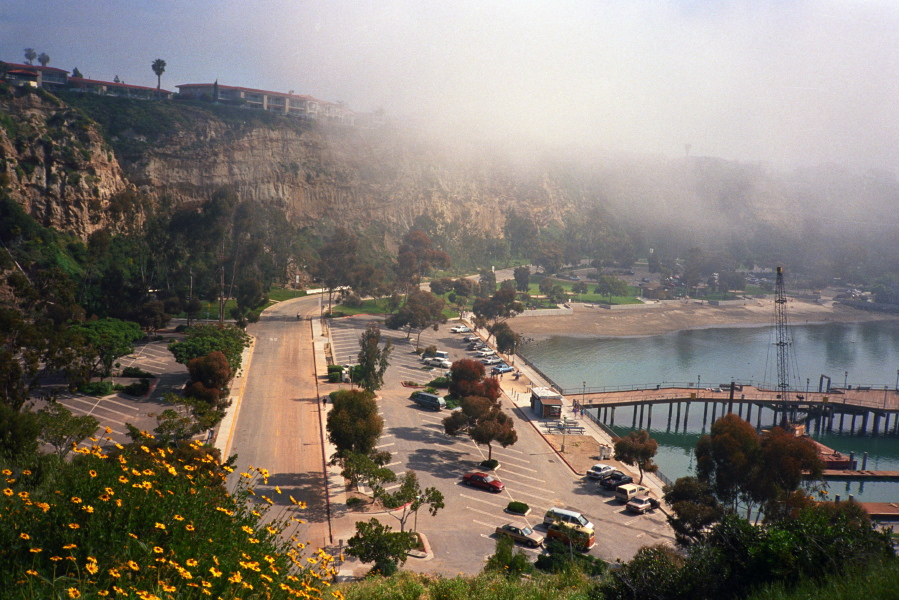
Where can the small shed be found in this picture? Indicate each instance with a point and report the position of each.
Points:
(546, 403)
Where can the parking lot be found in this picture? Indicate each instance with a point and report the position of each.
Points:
(462, 534)
(115, 410)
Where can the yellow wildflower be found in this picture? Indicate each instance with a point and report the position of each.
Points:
(215, 572)
(76, 500)
(35, 550)
(8, 492)
(74, 526)
(159, 526)
(189, 527)
(158, 550)
(191, 562)
(73, 592)
(133, 565)
(70, 546)
(92, 473)
(178, 518)
(24, 536)
(92, 568)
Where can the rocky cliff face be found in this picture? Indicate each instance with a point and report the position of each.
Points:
(55, 163)
(349, 176)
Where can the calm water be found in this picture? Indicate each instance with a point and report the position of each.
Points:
(857, 354)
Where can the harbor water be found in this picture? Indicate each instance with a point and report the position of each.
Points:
(849, 354)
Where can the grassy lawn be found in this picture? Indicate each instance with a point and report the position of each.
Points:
(281, 294)
(368, 307)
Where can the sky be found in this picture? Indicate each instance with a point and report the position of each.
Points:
(782, 82)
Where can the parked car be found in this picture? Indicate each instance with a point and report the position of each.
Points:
(613, 481)
(477, 346)
(628, 491)
(501, 368)
(599, 470)
(525, 535)
(484, 482)
(580, 538)
(485, 352)
(471, 338)
(438, 362)
(460, 329)
(642, 504)
(492, 360)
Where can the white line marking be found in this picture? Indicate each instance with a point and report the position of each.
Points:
(480, 500)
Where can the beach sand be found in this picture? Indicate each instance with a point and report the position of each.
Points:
(665, 317)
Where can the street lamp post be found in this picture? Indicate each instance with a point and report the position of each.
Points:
(583, 398)
(845, 379)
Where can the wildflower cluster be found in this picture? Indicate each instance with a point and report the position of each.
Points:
(149, 522)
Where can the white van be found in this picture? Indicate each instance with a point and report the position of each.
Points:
(625, 492)
(442, 354)
(571, 517)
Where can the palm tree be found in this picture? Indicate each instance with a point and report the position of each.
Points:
(158, 68)
(44, 58)
(30, 55)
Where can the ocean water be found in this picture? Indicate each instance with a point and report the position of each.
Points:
(849, 354)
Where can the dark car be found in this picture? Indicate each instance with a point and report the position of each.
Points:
(615, 479)
(525, 535)
(483, 481)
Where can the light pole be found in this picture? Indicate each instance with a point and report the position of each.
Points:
(845, 379)
(698, 384)
(583, 398)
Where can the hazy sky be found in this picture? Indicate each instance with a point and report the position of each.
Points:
(787, 82)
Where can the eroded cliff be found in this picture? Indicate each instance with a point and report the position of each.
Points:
(55, 162)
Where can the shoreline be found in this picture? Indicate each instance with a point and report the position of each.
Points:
(653, 320)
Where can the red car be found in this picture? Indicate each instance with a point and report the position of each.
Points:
(483, 481)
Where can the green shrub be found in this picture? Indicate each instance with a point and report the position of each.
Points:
(430, 390)
(490, 464)
(96, 388)
(136, 372)
(517, 507)
(138, 388)
(430, 351)
(439, 382)
(353, 502)
(333, 368)
(334, 376)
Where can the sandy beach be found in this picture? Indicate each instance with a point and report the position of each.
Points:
(665, 317)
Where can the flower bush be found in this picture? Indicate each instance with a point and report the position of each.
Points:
(148, 522)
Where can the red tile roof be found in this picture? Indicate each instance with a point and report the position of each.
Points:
(36, 67)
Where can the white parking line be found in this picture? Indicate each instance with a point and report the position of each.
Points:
(525, 461)
(386, 445)
(480, 500)
(518, 492)
(123, 405)
(97, 405)
(514, 474)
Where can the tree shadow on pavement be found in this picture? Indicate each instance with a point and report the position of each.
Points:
(445, 464)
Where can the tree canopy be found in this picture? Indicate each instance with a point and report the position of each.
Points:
(373, 360)
(106, 340)
(353, 423)
(201, 340)
(637, 448)
(484, 421)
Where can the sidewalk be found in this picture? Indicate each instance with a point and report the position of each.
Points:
(519, 394)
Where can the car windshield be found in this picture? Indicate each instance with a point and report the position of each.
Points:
(527, 530)
(489, 479)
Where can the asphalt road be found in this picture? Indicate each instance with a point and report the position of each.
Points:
(278, 426)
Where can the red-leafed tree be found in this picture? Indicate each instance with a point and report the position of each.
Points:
(468, 378)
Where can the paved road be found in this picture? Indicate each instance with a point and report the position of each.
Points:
(278, 425)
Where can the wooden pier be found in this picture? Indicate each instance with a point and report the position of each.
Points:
(858, 411)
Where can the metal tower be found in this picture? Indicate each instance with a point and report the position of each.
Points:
(784, 341)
